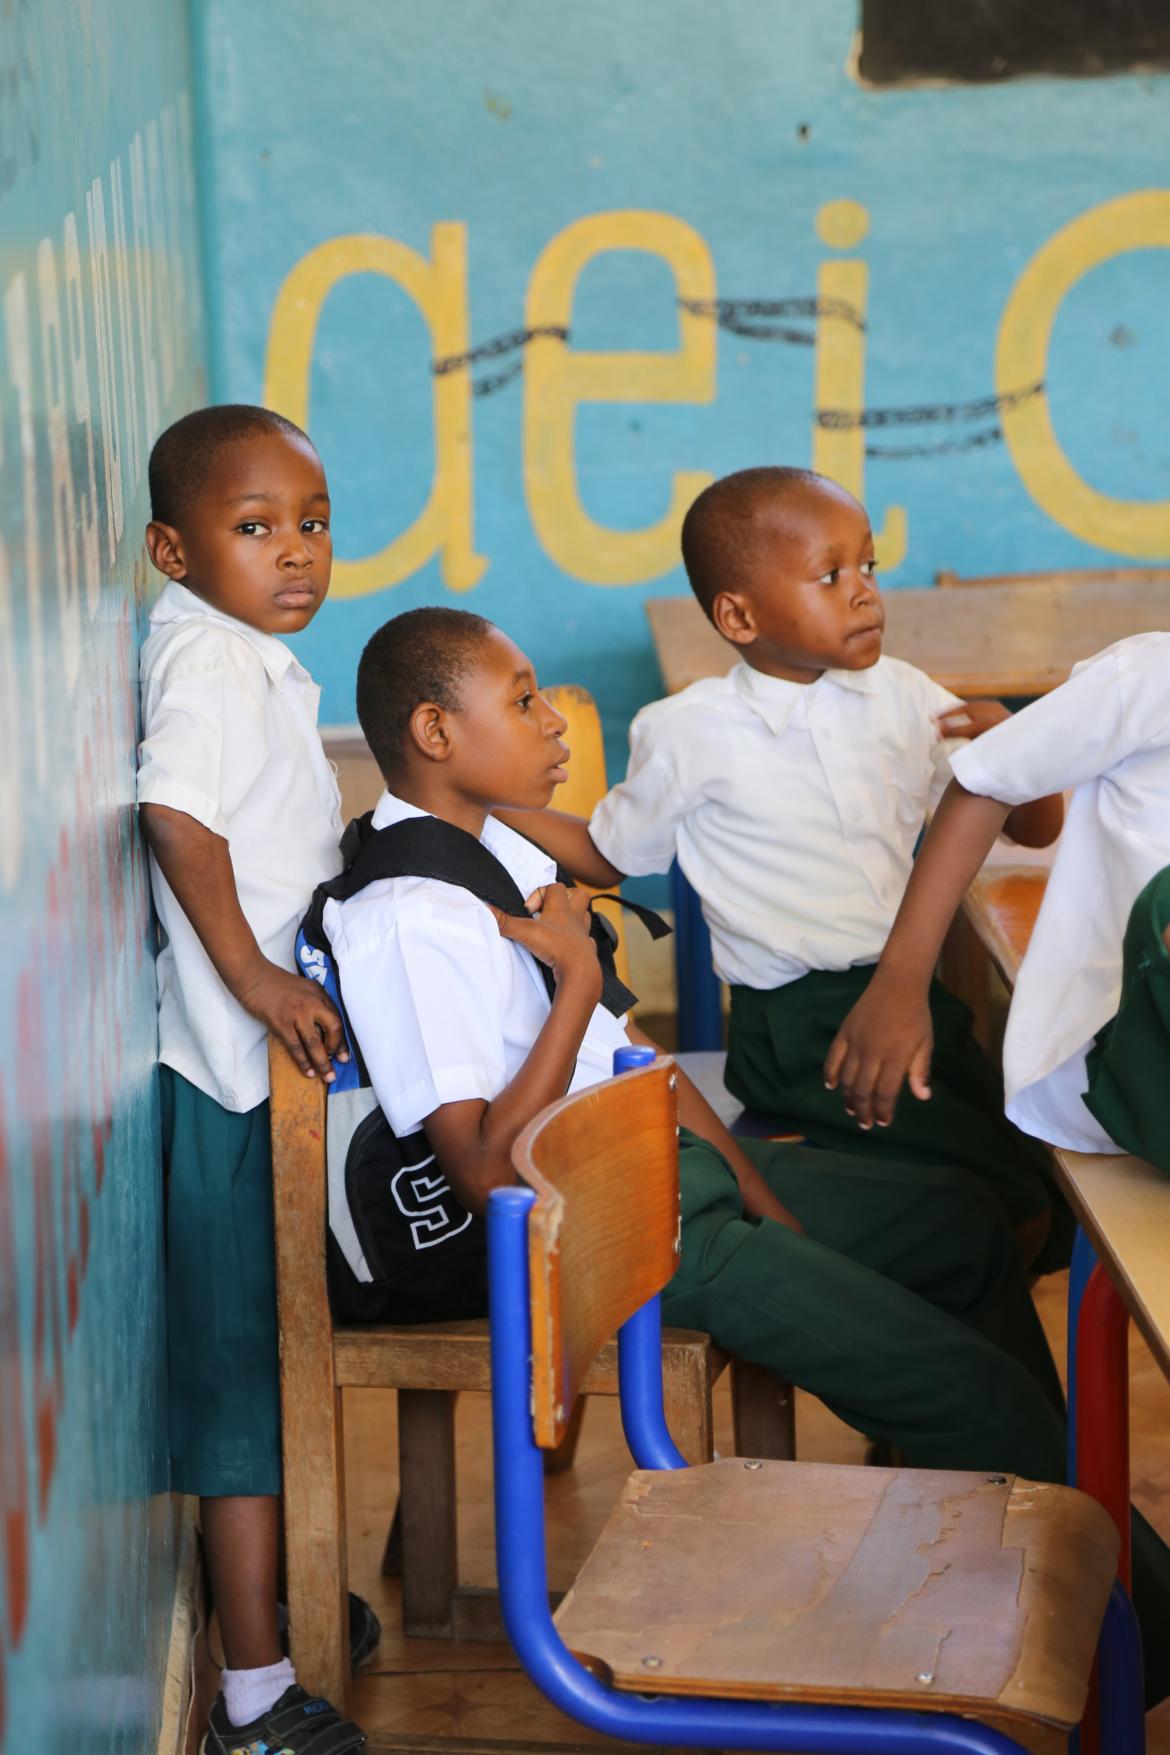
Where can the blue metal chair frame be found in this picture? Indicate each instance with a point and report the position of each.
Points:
(700, 1015)
(685, 1721)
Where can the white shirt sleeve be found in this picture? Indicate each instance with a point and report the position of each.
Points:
(1076, 733)
(636, 824)
(939, 700)
(204, 743)
(422, 994)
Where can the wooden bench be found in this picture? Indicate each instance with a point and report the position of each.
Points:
(1008, 638)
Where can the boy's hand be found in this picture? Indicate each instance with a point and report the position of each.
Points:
(558, 933)
(971, 719)
(887, 1037)
(301, 1014)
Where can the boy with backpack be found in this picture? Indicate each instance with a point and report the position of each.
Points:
(242, 815)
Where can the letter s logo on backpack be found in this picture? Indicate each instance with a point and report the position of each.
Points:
(419, 1198)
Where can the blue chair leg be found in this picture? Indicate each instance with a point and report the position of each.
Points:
(700, 1015)
(1119, 1678)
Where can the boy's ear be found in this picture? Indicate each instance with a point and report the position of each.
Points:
(165, 547)
(430, 731)
(732, 616)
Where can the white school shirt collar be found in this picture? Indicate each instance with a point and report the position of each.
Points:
(529, 866)
(776, 699)
(178, 603)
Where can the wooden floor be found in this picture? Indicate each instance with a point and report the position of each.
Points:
(430, 1695)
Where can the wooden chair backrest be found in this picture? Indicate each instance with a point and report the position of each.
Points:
(945, 578)
(603, 1234)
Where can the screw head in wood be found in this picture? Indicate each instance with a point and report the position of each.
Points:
(925, 1677)
(651, 1663)
(997, 1480)
(753, 1465)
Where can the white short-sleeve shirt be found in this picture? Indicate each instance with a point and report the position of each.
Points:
(793, 810)
(1106, 733)
(230, 738)
(444, 1008)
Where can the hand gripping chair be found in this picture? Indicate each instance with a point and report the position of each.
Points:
(745, 1604)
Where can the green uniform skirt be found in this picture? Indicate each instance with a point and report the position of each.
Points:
(221, 1295)
(1129, 1064)
(775, 1064)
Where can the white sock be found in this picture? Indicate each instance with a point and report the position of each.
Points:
(248, 1693)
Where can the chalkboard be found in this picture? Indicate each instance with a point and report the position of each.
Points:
(905, 40)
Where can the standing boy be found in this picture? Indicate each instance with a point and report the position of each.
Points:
(241, 811)
(792, 792)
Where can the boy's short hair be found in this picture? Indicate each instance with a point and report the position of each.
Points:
(421, 655)
(720, 530)
(183, 454)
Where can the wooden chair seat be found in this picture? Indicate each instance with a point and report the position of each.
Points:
(959, 1592)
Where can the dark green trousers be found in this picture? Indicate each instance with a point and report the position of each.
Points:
(903, 1307)
(775, 1064)
(1130, 1060)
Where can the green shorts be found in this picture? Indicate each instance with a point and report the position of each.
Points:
(221, 1295)
(1129, 1062)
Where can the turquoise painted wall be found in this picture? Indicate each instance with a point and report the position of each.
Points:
(954, 299)
(100, 344)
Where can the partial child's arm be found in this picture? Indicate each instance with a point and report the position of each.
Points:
(566, 839)
(888, 1034)
(695, 1112)
(1035, 824)
(198, 867)
(473, 1140)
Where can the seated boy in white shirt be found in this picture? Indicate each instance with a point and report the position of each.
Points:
(892, 1291)
(792, 792)
(1106, 733)
(242, 815)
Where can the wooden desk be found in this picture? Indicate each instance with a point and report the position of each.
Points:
(998, 640)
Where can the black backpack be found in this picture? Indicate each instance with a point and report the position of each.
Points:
(401, 1248)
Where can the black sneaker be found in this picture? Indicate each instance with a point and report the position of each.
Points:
(365, 1630)
(298, 1724)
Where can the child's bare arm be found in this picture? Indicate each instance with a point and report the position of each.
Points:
(197, 865)
(695, 1112)
(566, 839)
(473, 1140)
(888, 1035)
(1035, 824)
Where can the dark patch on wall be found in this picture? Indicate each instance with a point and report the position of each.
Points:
(498, 347)
(756, 318)
(904, 40)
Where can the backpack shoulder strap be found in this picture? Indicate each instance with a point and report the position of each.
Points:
(428, 847)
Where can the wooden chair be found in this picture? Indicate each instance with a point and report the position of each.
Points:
(1087, 576)
(749, 1604)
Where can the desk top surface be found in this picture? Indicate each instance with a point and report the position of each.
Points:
(985, 640)
(1123, 1203)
